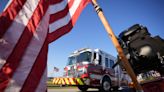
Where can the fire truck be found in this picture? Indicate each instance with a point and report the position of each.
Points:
(88, 68)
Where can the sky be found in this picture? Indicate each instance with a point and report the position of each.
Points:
(89, 32)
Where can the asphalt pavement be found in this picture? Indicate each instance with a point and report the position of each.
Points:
(71, 89)
(74, 89)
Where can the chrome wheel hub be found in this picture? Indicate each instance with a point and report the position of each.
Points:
(106, 86)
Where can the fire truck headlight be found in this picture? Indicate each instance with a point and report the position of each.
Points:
(82, 70)
(85, 70)
(87, 81)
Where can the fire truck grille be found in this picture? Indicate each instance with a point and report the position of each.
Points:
(72, 72)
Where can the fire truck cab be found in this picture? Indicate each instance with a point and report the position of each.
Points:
(87, 68)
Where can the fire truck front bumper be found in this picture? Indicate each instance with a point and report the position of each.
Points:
(71, 81)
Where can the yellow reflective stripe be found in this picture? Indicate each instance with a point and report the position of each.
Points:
(53, 81)
(67, 81)
(79, 81)
(56, 80)
(63, 83)
(59, 81)
(72, 81)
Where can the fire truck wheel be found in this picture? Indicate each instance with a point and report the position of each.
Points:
(106, 85)
(83, 88)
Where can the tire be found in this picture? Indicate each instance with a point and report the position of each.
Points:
(83, 88)
(106, 85)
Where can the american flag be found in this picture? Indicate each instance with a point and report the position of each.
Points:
(56, 69)
(26, 29)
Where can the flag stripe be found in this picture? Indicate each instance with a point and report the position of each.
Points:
(61, 13)
(42, 87)
(57, 34)
(65, 20)
(37, 71)
(58, 7)
(55, 1)
(13, 34)
(79, 10)
(14, 59)
(30, 55)
(9, 14)
(66, 28)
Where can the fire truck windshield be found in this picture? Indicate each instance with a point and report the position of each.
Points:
(85, 56)
(71, 60)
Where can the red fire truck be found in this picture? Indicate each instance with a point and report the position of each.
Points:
(89, 68)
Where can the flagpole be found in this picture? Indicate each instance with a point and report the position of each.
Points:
(122, 56)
